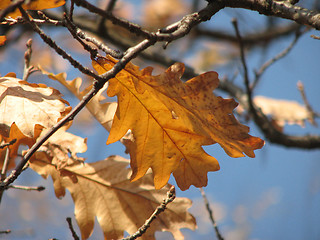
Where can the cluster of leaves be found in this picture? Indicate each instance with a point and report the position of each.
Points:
(166, 123)
(162, 121)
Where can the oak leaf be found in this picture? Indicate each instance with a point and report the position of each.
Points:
(283, 111)
(3, 39)
(103, 190)
(26, 109)
(101, 110)
(171, 121)
(62, 148)
(31, 5)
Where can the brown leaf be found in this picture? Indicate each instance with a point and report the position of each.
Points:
(103, 190)
(282, 111)
(171, 121)
(62, 148)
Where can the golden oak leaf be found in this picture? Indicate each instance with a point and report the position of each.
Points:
(171, 121)
(102, 111)
(31, 5)
(103, 190)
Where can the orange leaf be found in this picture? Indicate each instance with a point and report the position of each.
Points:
(32, 5)
(171, 121)
(20, 139)
(3, 39)
(102, 190)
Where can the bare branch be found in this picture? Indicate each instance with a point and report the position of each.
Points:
(58, 50)
(282, 9)
(8, 144)
(73, 232)
(5, 231)
(215, 226)
(312, 114)
(244, 64)
(39, 188)
(251, 39)
(282, 54)
(171, 195)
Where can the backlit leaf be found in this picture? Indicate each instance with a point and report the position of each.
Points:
(103, 190)
(171, 121)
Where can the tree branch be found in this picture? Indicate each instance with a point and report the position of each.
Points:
(215, 226)
(282, 9)
(171, 195)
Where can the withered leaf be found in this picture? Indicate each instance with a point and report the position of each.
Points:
(25, 110)
(103, 190)
(283, 111)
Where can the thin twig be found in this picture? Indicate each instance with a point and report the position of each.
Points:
(250, 39)
(28, 70)
(73, 232)
(20, 20)
(311, 113)
(109, 8)
(5, 231)
(4, 170)
(5, 165)
(135, 28)
(19, 187)
(282, 54)
(73, 30)
(171, 195)
(8, 144)
(244, 64)
(78, 33)
(215, 226)
(59, 50)
(71, 11)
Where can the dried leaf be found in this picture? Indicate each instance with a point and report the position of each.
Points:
(31, 5)
(25, 110)
(102, 111)
(62, 148)
(171, 120)
(28, 104)
(103, 190)
(282, 111)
